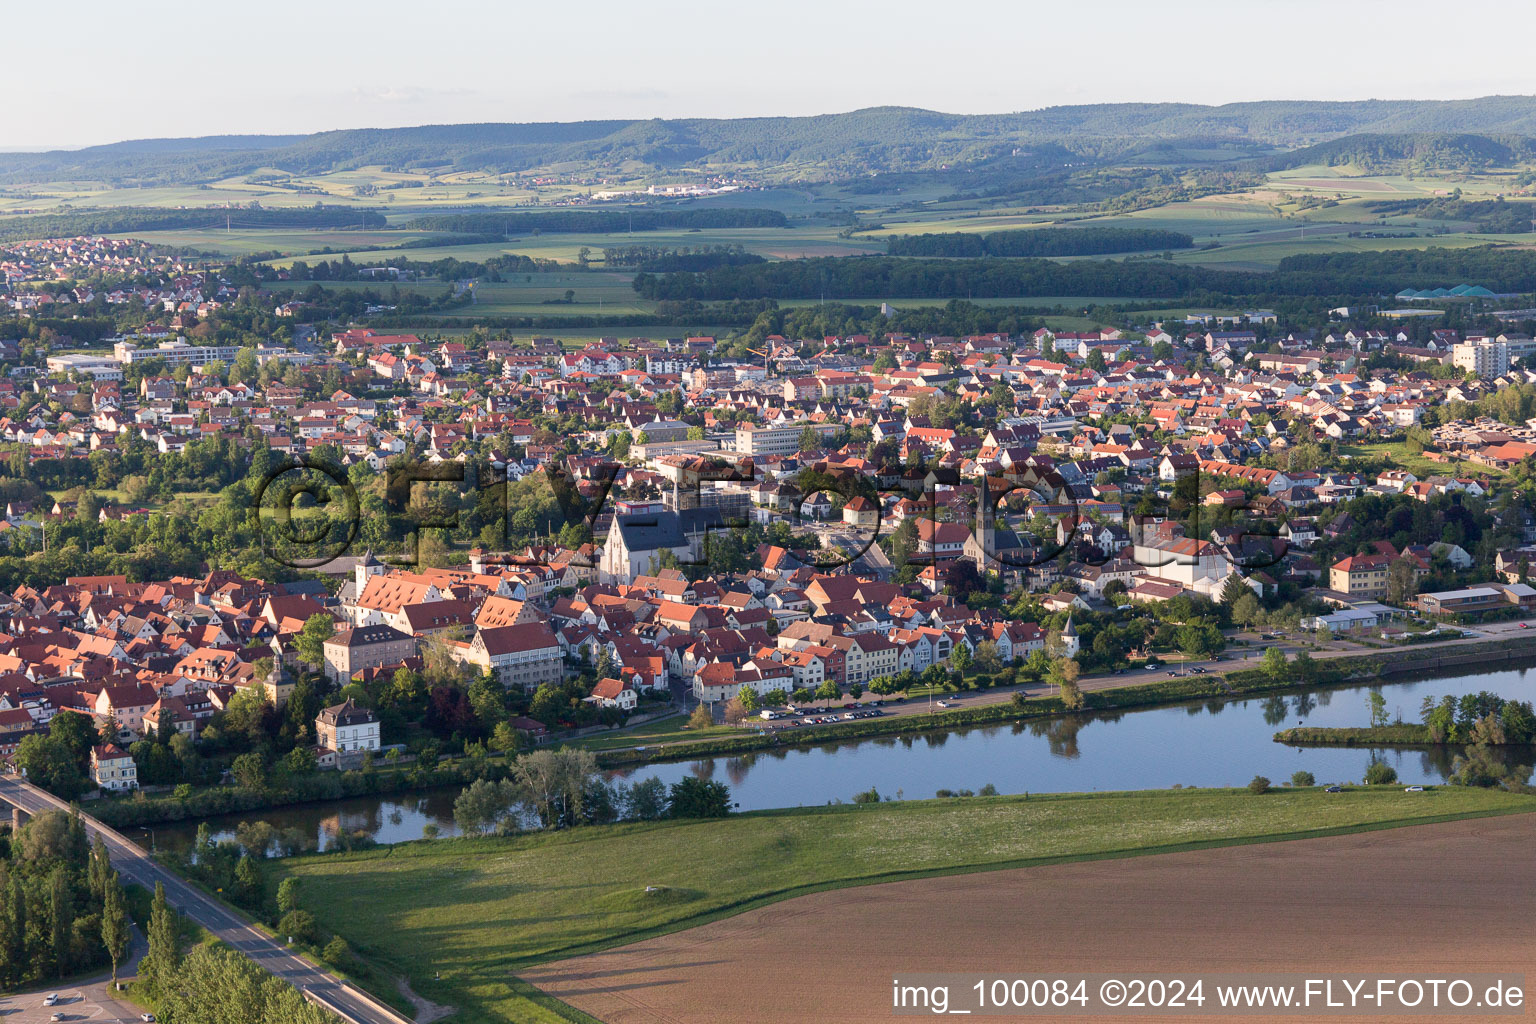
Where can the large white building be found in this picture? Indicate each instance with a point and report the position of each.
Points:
(1487, 358)
(98, 367)
(175, 353)
(781, 440)
(525, 656)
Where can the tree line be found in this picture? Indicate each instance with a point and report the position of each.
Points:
(1310, 274)
(120, 219)
(598, 221)
(62, 907)
(1089, 241)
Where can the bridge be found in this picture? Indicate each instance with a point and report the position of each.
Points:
(131, 861)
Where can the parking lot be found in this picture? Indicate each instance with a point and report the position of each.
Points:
(75, 1004)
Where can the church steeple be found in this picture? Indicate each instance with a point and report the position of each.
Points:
(1069, 640)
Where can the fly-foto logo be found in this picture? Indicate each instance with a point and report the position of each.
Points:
(308, 513)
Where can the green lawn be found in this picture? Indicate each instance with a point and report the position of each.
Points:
(1417, 464)
(672, 729)
(476, 910)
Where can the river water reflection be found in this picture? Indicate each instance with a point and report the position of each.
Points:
(1219, 743)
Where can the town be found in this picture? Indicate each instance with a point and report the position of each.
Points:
(832, 517)
(543, 570)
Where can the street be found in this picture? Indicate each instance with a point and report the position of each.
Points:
(89, 1002)
(135, 865)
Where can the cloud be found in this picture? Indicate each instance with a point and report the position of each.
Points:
(406, 94)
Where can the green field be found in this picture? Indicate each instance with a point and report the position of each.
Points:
(477, 910)
(597, 293)
(775, 243)
(1418, 465)
(1254, 228)
(672, 729)
(245, 241)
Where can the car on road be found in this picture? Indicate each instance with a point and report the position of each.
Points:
(147, 1017)
(1334, 789)
(943, 704)
(50, 999)
(1525, 625)
(1197, 668)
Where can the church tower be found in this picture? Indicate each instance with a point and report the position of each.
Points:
(366, 566)
(1069, 641)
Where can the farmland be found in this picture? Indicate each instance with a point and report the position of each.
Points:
(1411, 901)
(477, 909)
(597, 293)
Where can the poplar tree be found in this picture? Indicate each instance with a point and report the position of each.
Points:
(164, 957)
(116, 933)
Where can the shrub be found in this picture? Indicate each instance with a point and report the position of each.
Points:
(336, 952)
(300, 924)
(987, 790)
(1303, 779)
(869, 796)
(1380, 774)
(1259, 785)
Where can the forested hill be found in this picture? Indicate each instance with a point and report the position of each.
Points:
(862, 141)
(1428, 151)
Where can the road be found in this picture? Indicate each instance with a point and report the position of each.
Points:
(89, 1000)
(134, 864)
(76, 1003)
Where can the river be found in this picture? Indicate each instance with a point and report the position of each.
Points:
(1215, 743)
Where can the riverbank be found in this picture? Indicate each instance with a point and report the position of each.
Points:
(1341, 670)
(144, 809)
(985, 707)
(1401, 735)
(456, 916)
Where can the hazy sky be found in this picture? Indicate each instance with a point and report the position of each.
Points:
(93, 72)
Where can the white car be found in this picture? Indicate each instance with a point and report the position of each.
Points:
(1414, 789)
(51, 999)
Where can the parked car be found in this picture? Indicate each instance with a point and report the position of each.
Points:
(50, 999)
(147, 1017)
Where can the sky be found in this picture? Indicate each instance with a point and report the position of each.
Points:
(114, 71)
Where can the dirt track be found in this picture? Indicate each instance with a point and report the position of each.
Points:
(1431, 899)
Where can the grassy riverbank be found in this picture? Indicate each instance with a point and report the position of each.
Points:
(1210, 686)
(478, 909)
(667, 739)
(1402, 735)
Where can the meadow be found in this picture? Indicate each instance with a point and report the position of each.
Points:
(543, 294)
(458, 917)
(1252, 229)
(1416, 463)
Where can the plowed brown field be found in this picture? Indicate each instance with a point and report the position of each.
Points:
(1429, 900)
